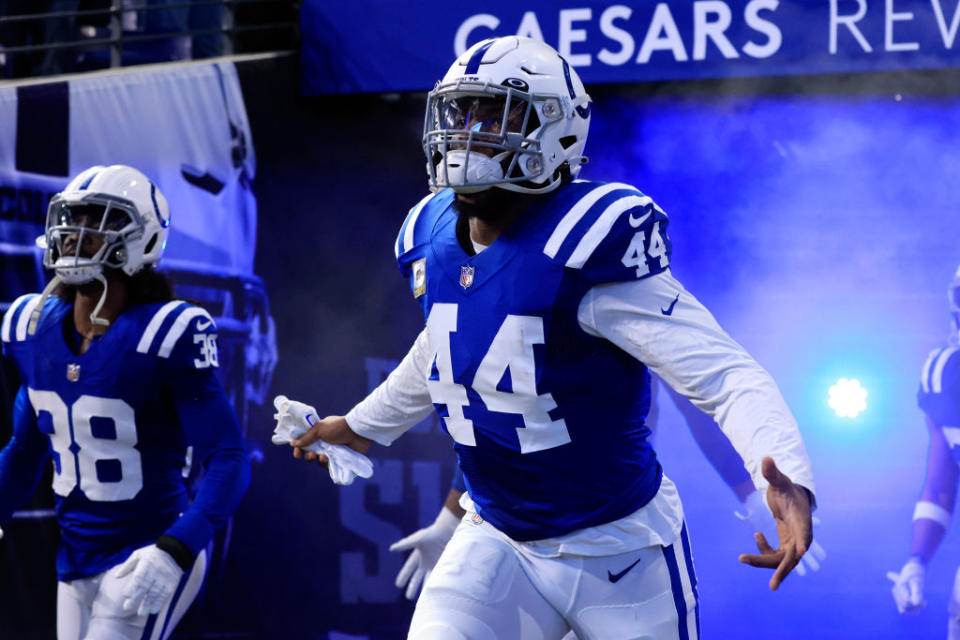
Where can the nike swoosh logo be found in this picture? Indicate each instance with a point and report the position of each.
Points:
(669, 310)
(615, 577)
(636, 222)
(203, 324)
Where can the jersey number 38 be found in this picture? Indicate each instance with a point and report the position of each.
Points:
(107, 468)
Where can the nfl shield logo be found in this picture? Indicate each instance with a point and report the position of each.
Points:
(466, 277)
(73, 372)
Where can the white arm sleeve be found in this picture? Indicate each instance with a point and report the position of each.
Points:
(691, 353)
(401, 401)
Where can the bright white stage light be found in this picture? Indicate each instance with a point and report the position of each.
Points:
(848, 398)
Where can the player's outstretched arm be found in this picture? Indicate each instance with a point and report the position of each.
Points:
(661, 324)
(727, 462)
(790, 504)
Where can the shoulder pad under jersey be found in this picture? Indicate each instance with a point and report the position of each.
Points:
(416, 228)
(939, 393)
(17, 318)
(181, 333)
(610, 232)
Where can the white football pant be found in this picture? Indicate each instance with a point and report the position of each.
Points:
(92, 608)
(953, 610)
(486, 588)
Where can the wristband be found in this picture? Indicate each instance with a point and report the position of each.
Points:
(932, 511)
(177, 550)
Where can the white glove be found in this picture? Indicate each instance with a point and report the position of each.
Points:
(153, 577)
(295, 418)
(908, 587)
(1, 534)
(760, 518)
(427, 545)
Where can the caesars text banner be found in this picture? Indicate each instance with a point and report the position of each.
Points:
(395, 45)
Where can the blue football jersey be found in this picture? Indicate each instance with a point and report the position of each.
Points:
(547, 421)
(939, 394)
(116, 439)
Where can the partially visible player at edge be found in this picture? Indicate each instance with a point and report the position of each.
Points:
(117, 382)
(546, 299)
(939, 398)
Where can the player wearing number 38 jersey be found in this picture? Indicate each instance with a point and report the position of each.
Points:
(117, 382)
(546, 300)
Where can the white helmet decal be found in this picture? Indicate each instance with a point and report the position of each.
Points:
(509, 113)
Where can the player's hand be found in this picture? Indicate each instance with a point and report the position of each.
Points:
(299, 425)
(152, 577)
(790, 505)
(908, 587)
(757, 515)
(427, 545)
(1, 534)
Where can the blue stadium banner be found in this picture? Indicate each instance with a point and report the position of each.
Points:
(356, 46)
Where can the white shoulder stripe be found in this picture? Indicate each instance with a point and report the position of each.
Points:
(595, 235)
(179, 326)
(412, 223)
(936, 380)
(24, 318)
(8, 316)
(154, 325)
(925, 376)
(576, 212)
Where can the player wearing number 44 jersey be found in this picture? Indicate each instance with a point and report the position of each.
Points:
(546, 300)
(117, 382)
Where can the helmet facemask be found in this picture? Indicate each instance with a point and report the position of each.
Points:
(479, 135)
(82, 237)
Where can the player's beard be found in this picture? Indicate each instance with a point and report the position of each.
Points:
(493, 206)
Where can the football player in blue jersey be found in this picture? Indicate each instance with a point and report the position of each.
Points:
(939, 398)
(546, 300)
(117, 382)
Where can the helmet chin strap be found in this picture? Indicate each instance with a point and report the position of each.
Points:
(53, 284)
(38, 309)
(94, 316)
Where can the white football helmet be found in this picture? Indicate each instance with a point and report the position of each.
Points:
(117, 205)
(510, 113)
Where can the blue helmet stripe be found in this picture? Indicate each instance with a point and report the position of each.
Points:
(86, 183)
(473, 65)
(583, 112)
(156, 209)
(566, 76)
